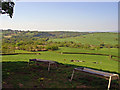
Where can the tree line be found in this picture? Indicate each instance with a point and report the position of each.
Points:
(10, 45)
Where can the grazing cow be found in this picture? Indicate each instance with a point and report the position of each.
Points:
(95, 62)
(77, 60)
(72, 60)
(64, 59)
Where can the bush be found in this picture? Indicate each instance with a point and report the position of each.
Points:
(51, 47)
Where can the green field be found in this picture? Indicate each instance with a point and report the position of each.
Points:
(104, 62)
(112, 51)
(20, 75)
(17, 73)
(22, 51)
(92, 39)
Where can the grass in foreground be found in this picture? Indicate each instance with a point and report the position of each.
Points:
(19, 75)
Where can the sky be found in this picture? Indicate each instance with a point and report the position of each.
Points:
(63, 16)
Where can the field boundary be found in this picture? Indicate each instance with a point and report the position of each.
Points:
(92, 54)
(20, 53)
(88, 53)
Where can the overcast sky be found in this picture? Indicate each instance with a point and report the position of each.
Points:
(77, 16)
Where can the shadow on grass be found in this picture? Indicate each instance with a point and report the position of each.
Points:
(22, 75)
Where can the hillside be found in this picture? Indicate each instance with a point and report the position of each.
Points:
(92, 39)
(70, 49)
(36, 34)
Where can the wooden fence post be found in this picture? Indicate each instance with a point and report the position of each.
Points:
(110, 56)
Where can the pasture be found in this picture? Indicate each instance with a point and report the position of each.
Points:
(92, 39)
(17, 73)
(103, 62)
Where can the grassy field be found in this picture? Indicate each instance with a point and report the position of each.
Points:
(103, 62)
(22, 51)
(19, 75)
(112, 51)
(92, 39)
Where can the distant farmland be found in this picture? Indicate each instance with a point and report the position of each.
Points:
(92, 39)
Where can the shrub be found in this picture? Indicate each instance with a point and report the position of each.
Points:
(51, 47)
